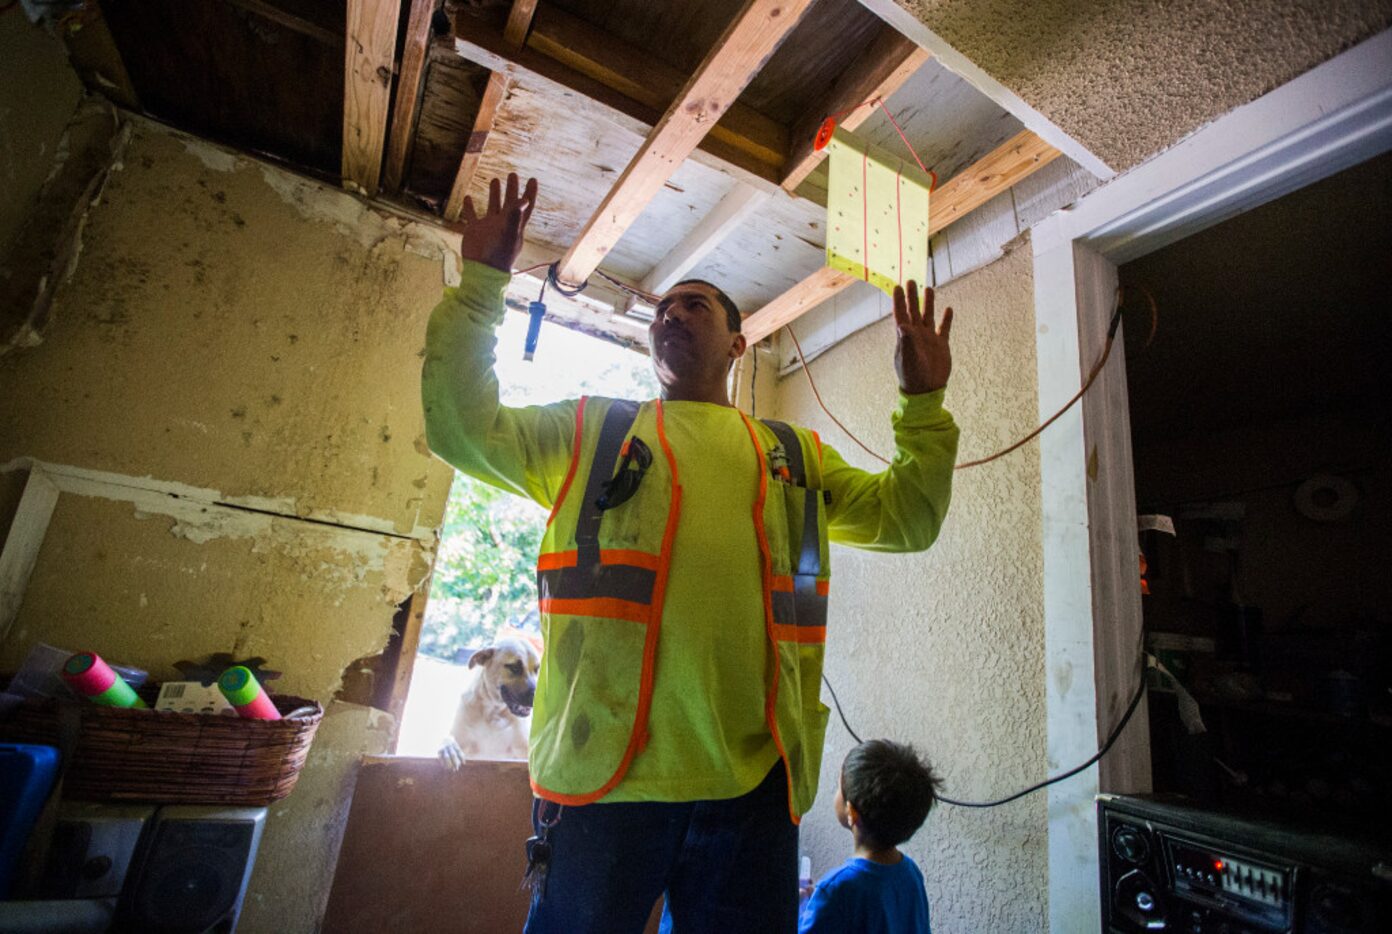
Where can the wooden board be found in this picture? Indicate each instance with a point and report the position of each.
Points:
(991, 176)
(637, 74)
(449, 101)
(22, 542)
(575, 161)
(205, 87)
(769, 252)
(949, 122)
(481, 43)
(715, 226)
(408, 91)
(368, 60)
(830, 39)
(879, 71)
(427, 850)
(679, 34)
(736, 58)
(484, 120)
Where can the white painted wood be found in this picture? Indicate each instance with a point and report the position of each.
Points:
(980, 237)
(739, 203)
(1333, 116)
(1114, 538)
(939, 262)
(1070, 691)
(22, 543)
(1057, 185)
(904, 21)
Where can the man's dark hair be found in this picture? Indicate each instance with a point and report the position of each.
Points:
(892, 790)
(732, 313)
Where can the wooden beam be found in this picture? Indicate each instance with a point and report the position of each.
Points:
(368, 58)
(489, 105)
(519, 21)
(1018, 157)
(1023, 154)
(741, 201)
(289, 20)
(408, 91)
(738, 55)
(477, 42)
(634, 73)
(876, 73)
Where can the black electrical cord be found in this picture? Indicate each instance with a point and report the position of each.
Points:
(1111, 740)
(556, 283)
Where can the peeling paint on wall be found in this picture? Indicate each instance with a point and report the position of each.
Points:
(216, 336)
(230, 358)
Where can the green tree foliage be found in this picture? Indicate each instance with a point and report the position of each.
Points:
(484, 574)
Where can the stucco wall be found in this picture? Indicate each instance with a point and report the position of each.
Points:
(38, 92)
(1131, 77)
(946, 649)
(236, 329)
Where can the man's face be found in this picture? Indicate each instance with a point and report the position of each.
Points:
(690, 337)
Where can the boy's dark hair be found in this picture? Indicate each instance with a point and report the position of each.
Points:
(732, 313)
(892, 790)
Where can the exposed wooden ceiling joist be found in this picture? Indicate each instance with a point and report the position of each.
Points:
(484, 45)
(368, 59)
(737, 56)
(713, 228)
(1021, 156)
(634, 73)
(519, 21)
(286, 18)
(877, 73)
(408, 88)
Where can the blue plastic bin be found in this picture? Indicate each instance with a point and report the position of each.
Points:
(27, 774)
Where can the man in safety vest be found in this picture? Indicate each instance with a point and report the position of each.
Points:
(678, 725)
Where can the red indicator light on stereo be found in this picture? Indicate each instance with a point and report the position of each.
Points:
(1218, 865)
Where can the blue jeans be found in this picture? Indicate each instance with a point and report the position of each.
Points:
(726, 867)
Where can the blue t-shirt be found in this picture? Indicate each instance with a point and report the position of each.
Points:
(868, 898)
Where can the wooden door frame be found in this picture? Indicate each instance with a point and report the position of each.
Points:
(1332, 117)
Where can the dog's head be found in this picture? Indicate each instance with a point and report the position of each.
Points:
(510, 669)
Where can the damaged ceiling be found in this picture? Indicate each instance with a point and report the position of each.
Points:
(435, 99)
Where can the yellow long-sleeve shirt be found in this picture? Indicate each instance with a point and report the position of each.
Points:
(707, 735)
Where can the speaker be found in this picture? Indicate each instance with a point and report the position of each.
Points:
(1173, 866)
(192, 872)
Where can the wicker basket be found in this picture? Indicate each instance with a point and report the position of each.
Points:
(166, 757)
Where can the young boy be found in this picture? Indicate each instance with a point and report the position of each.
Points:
(885, 794)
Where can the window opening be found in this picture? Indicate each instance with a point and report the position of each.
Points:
(484, 583)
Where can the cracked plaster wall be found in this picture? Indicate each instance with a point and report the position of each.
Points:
(946, 649)
(1128, 78)
(233, 328)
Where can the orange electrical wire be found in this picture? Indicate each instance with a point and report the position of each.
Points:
(1087, 384)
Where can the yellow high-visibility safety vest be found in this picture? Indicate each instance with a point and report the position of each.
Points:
(602, 578)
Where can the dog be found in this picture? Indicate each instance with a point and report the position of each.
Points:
(495, 710)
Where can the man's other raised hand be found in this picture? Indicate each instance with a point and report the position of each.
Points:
(495, 238)
(922, 357)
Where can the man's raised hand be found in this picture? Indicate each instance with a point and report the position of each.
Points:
(922, 357)
(495, 239)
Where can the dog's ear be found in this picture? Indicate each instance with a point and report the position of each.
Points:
(482, 656)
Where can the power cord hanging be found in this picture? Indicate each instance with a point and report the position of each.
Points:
(1087, 384)
(1106, 746)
